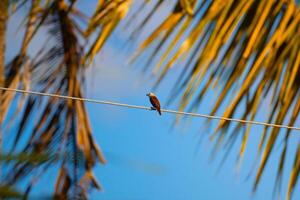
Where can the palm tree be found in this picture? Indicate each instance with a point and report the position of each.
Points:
(252, 44)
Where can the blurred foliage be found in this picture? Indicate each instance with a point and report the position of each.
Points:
(7, 192)
(60, 125)
(250, 49)
(24, 157)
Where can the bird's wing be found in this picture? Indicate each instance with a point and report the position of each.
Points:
(155, 102)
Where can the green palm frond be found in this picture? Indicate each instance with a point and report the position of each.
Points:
(25, 157)
(253, 44)
(7, 192)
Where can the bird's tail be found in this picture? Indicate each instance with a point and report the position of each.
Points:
(159, 111)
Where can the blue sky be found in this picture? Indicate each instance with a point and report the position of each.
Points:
(147, 159)
(185, 170)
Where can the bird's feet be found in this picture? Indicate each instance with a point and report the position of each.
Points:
(152, 108)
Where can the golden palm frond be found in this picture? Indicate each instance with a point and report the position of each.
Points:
(254, 44)
(106, 17)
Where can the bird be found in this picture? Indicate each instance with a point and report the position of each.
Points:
(154, 101)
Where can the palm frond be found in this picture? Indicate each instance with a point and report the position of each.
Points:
(4, 5)
(62, 125)
(252, 44)
(9, 192)
(106, 17)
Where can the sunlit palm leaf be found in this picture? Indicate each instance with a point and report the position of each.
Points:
(106, 17)
(255, 44)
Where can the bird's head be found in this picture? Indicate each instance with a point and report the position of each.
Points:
(150, 94)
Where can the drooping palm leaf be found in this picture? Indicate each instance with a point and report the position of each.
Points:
(3, 21)
(61, 125)
(253, 44)
(106, 17)
(9, 192)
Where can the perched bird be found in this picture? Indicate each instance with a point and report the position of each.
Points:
(155, 102)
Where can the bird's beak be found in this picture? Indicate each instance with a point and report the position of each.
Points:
(148, 95)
